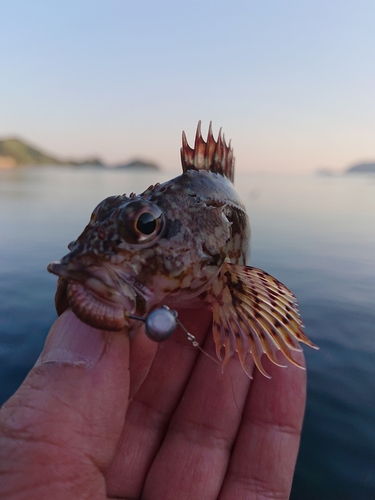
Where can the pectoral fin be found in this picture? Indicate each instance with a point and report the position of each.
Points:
(254, 313)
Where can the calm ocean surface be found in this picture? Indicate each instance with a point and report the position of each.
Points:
(315, 234)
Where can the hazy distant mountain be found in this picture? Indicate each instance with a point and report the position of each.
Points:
(15, 152)
(361, 168)
(139, 164)
(325, 172)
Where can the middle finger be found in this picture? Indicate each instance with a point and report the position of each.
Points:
(195, 453)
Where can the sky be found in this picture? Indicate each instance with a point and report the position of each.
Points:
(292, 83)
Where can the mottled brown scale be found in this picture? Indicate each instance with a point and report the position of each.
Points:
(183, 243)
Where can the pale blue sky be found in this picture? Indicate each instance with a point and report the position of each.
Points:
(292, 83)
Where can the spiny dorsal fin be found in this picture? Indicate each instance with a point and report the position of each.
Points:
(213, 156)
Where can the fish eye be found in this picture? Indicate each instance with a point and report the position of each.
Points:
(146, 223)
(141, 222)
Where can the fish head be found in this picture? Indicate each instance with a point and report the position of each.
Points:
(139, 251)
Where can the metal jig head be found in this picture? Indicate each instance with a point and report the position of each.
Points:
(162, 322)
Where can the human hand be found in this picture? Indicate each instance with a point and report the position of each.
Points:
(93, 421)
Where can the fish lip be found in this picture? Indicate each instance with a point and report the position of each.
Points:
(72, 271)
(109, 283)
(96, 294)
(100, 281)
(76, 272)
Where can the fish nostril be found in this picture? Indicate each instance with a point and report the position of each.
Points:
(101, 232)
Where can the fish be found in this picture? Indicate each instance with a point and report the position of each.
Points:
(182, 243)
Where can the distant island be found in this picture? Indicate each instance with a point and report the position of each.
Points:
(358, 168)
(15, 152)
(361, 168)
(137, 164)
(325, 172)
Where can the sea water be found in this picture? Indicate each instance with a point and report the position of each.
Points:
(315, 234)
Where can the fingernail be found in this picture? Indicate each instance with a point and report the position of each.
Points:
(73, 342)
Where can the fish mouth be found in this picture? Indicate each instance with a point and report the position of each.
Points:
(98, 295)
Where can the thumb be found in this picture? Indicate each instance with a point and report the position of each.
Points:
(63, 423)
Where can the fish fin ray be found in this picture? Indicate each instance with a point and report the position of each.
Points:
(255, 313)
(213, 156)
